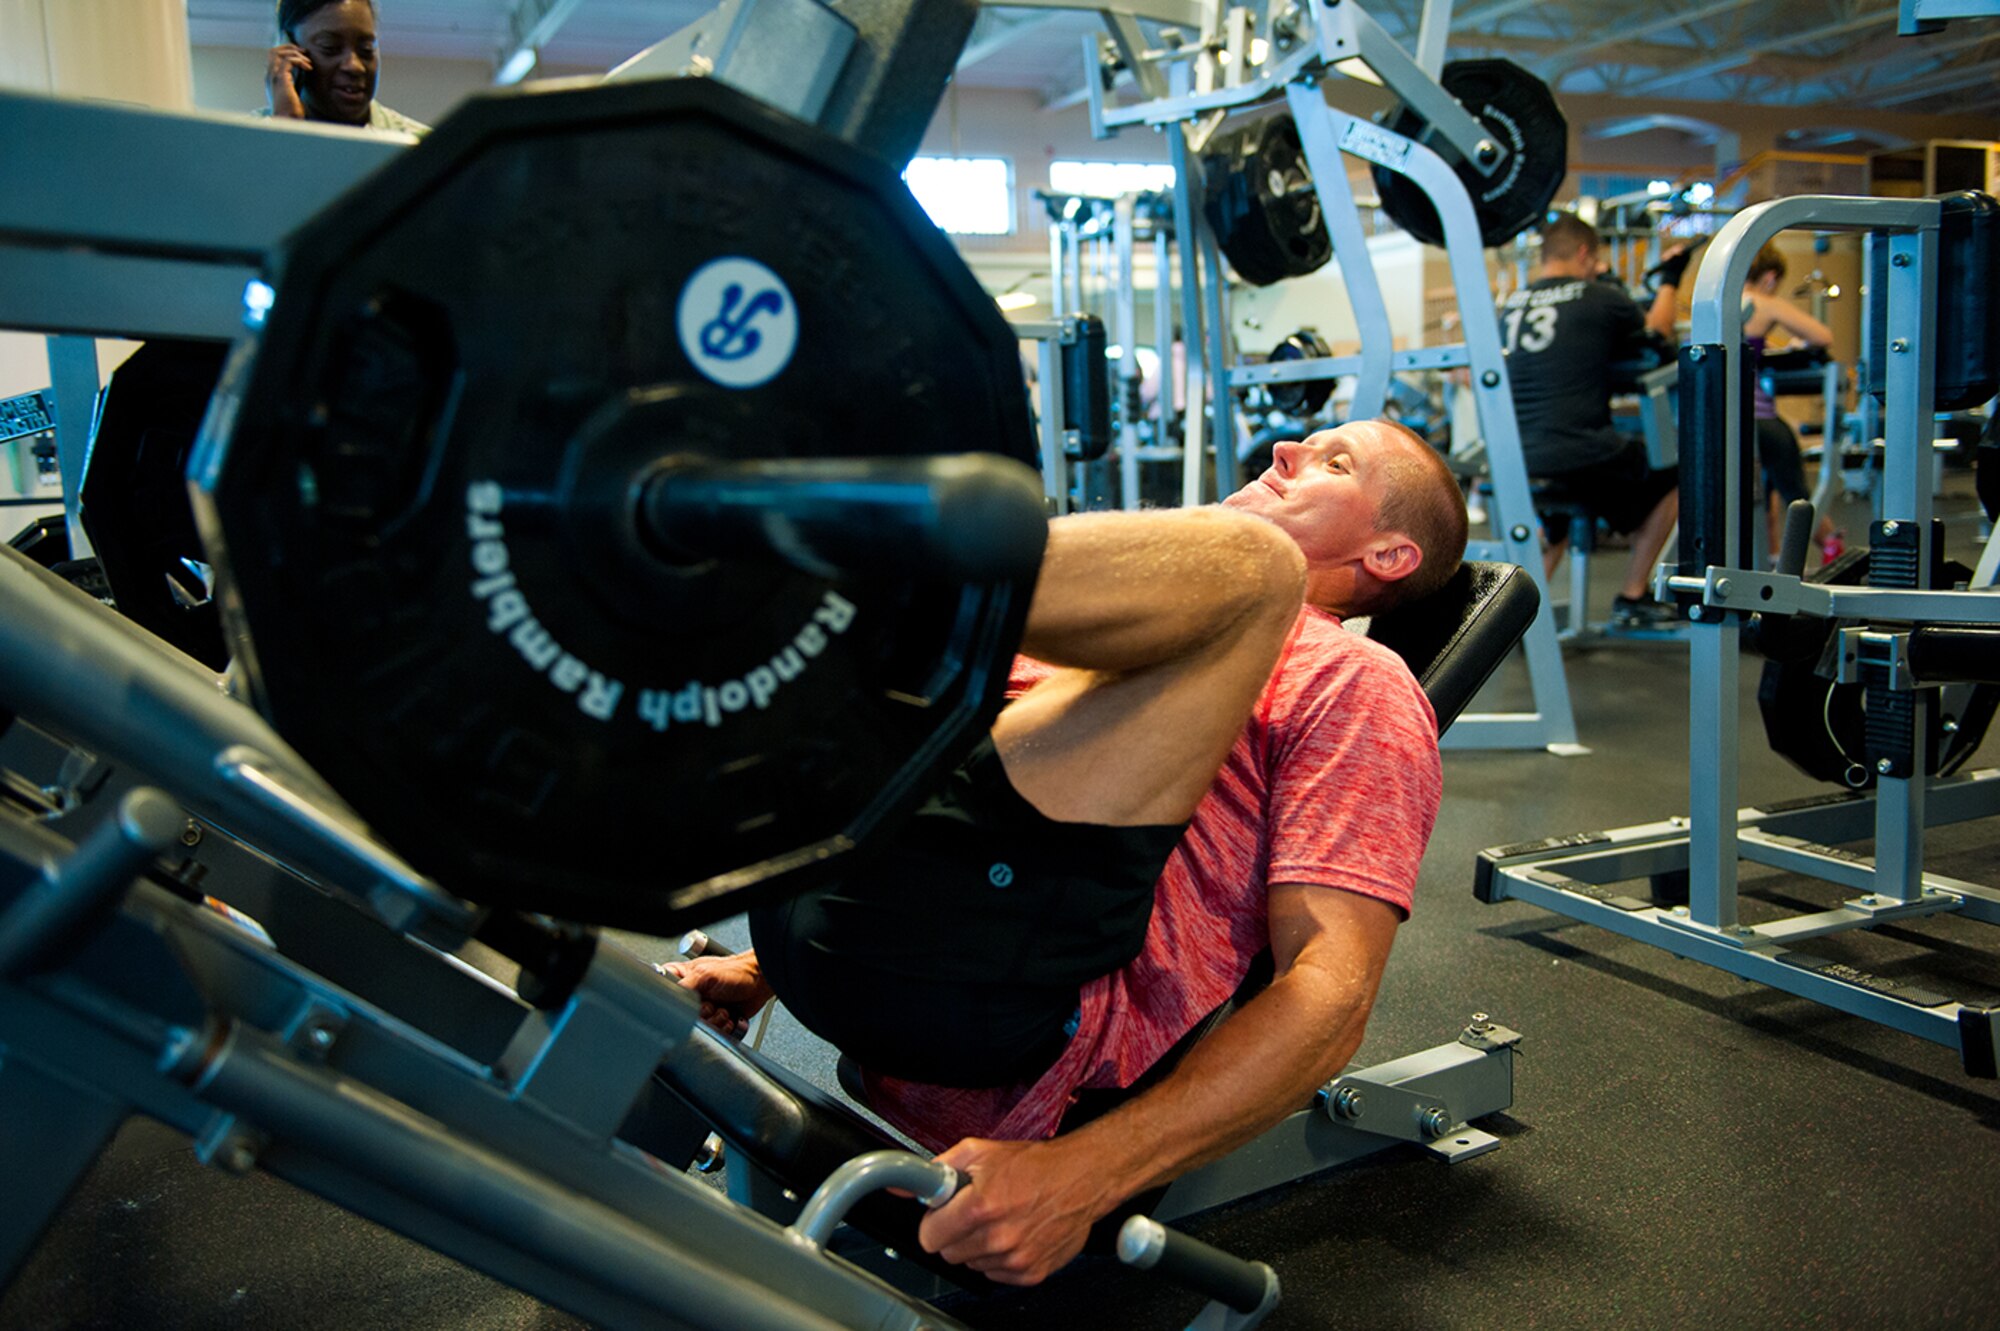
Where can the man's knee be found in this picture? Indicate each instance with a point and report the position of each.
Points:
(1255, 573)
(1274, 575)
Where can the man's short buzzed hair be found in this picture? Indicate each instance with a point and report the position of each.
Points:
(1421, 499)
(1567, 235)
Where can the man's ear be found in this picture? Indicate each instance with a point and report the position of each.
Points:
(1393, 557)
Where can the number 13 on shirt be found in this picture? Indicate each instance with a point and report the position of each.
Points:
(1540, 332)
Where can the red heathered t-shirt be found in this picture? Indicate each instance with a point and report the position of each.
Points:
(1334, 782)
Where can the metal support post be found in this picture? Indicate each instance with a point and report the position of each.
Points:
(1831, 449)
(1058, 261)
(1194, 374)
(1908, 433)
(1432, 34)
(1350, 247)
(1222, 402)
(74, 381)
(1125, 337)
(1714, 667)
(1551, 725)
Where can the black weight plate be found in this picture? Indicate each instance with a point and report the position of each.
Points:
(134, 496)
(1521, 114)
(1301, 397)
(1261, 205)
(1819, 725)
(422, 511)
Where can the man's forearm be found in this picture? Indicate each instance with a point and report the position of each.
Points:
(1664, 313)
(1248, 1074)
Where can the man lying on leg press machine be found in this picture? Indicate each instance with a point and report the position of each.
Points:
(1011, 952)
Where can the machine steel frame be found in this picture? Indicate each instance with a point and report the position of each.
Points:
(1203, 85)
(1575, 875)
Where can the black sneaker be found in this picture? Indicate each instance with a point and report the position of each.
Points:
(1642, 612)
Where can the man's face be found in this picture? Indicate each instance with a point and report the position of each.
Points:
(340, 42)
(1326, 492)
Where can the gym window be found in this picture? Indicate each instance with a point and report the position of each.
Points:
(1107, 180)
(965, 196)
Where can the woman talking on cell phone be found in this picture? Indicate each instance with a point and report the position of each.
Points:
(325, 67)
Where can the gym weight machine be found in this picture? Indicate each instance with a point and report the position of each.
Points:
(1464, 174)
(1093, 248)
(346, 468)
(1902, 637)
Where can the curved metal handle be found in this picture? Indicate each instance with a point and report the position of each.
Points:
(933, 1183)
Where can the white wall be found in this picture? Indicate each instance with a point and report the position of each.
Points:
(124, 50)
(118, 50)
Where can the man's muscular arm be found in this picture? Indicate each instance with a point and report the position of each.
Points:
(1030, 1204)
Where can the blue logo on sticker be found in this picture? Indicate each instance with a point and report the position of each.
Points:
(729, 336)
(738, 323)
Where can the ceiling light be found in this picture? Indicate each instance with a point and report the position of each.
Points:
(519, 65)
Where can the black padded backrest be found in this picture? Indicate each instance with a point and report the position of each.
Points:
(1456, 637)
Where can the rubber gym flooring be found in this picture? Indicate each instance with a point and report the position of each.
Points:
(1684, 1149)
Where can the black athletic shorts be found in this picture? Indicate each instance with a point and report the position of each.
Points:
(954, 955)
(1622, 489)
(1778, 455)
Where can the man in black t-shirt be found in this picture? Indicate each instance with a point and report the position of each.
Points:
(1564, 334)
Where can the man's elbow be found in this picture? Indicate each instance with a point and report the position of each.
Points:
(1340, 991)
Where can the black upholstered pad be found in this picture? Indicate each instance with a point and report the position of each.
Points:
(1455, 638)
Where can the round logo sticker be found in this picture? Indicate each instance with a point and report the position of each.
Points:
(737, 322)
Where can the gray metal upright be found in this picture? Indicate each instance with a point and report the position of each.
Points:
(1350, 247)
(1898, 611)
(1910, 380)
(1125, 336)
(1163, 329)
(1222, 402)
(1187, 222)
(1204, 83)
(74, 377)
(1715, 641)
(1552, 724)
